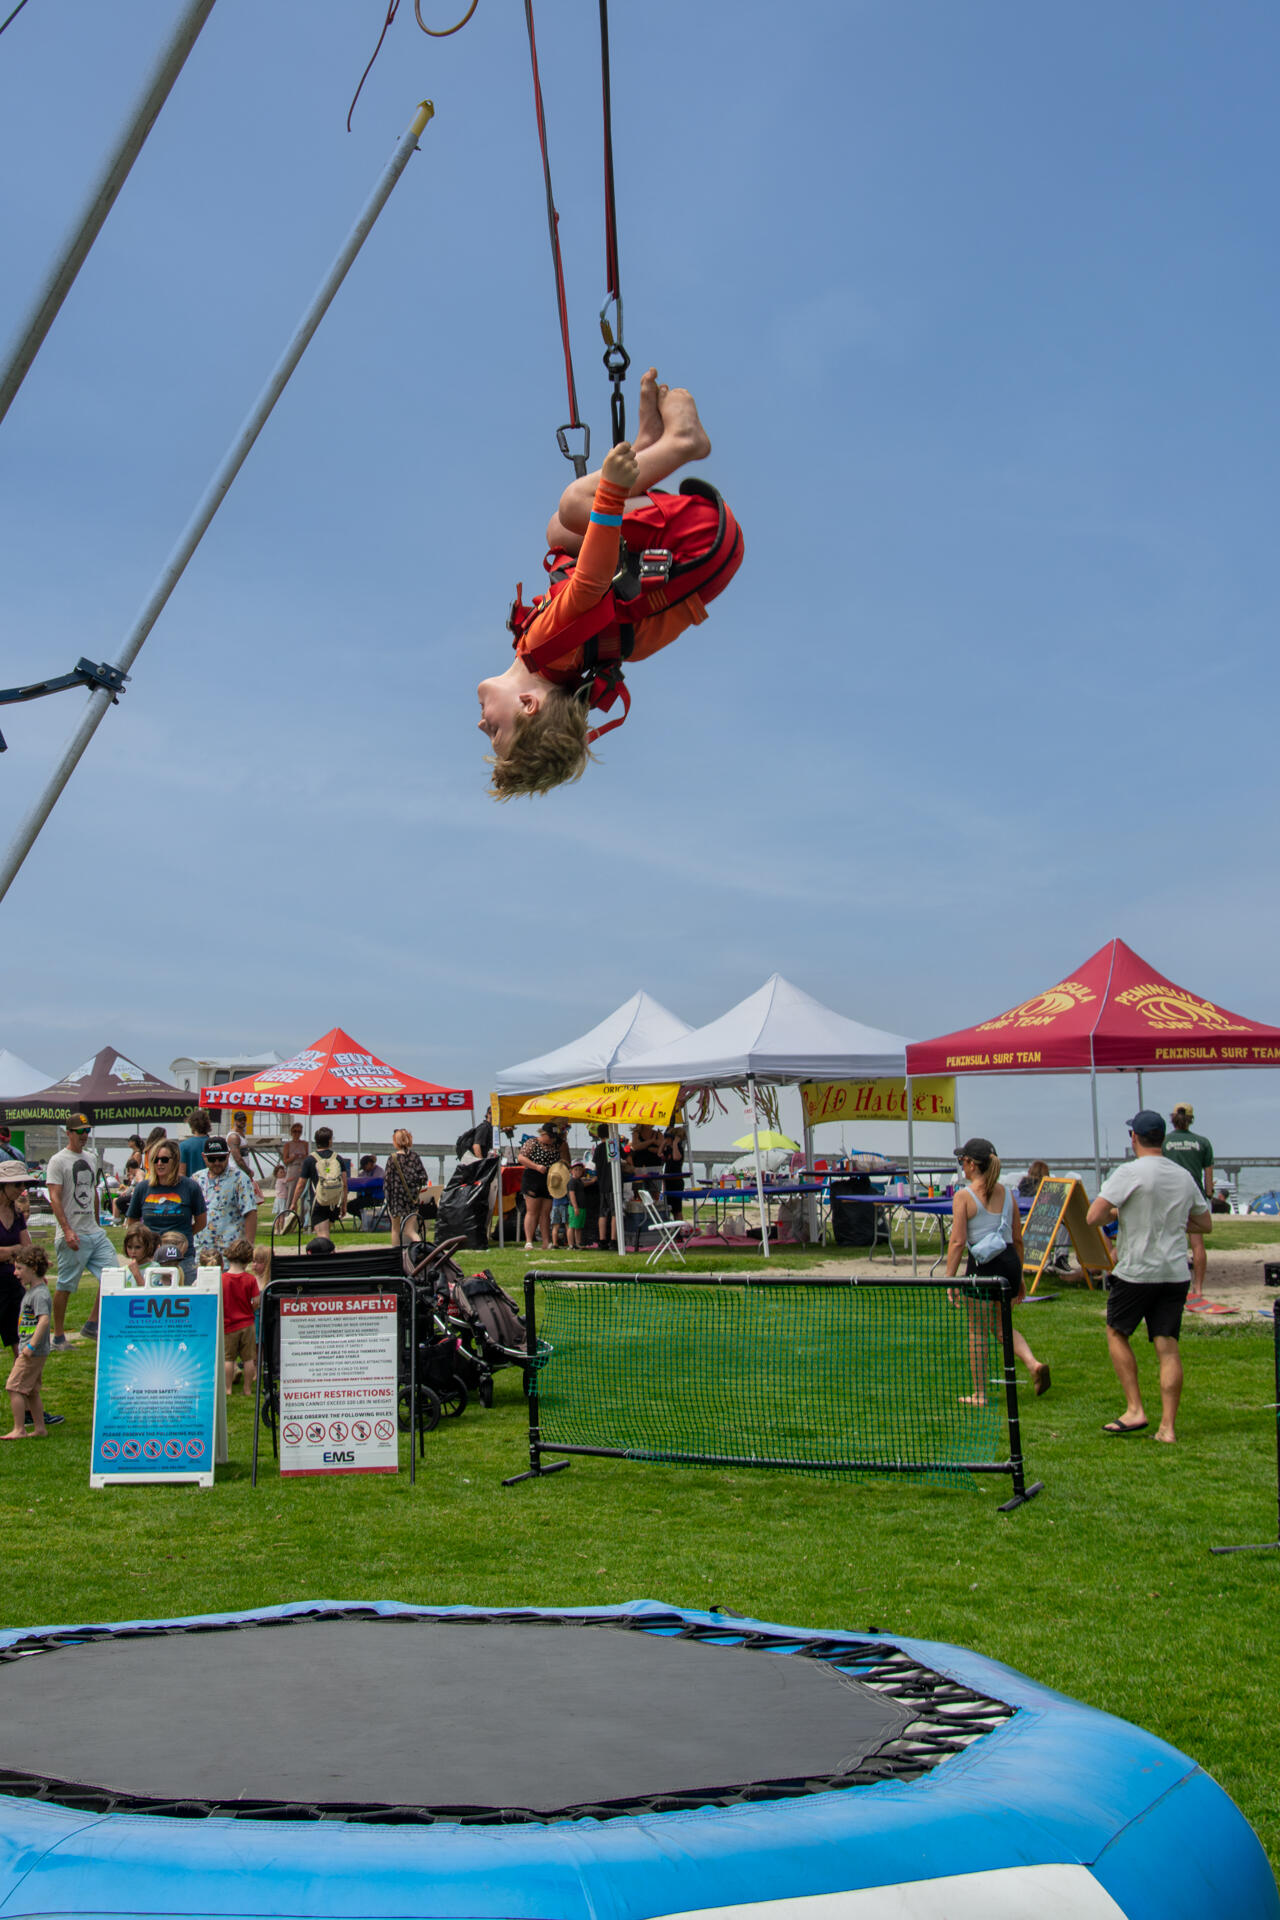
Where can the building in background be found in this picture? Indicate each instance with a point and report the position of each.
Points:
(193, 1075)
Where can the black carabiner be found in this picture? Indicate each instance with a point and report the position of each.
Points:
(616, 361)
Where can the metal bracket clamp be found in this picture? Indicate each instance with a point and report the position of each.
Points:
(99, 675)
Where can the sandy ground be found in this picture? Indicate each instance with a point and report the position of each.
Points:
(1235, 1278)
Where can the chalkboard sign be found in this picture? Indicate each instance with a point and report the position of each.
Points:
(1062, 1202)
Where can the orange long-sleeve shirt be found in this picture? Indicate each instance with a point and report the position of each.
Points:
(592, 576)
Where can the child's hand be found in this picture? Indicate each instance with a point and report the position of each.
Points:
(621, 468)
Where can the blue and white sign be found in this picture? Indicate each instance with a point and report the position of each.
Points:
(159, 1411)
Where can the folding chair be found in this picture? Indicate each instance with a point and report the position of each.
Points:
(669, 1232)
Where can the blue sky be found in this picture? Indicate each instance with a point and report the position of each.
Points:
(980, 304)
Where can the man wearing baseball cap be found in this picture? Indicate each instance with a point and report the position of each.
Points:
(231, 1205)
(79, 1242)
(1192, 1151)
(1157, 1204)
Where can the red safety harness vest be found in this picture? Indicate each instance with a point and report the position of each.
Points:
(648, 581)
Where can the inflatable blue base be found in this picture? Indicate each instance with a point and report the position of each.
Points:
(974, 1791)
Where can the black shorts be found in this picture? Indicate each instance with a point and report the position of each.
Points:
(320, 1216)
(1160, 1305)
(10, 1310)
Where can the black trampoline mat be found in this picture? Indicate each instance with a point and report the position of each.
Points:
(435, 1715)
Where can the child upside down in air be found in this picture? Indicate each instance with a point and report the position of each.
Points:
(678, 551)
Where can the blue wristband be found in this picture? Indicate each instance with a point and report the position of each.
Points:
(606, 519)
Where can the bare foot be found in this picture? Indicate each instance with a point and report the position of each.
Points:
(649, 422)
(1169, 1437)
(15, 1435)
(680, 421)
(973, 1399)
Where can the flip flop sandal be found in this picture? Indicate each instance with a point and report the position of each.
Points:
(1121, 1429)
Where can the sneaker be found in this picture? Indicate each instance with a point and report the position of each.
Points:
(59, 1342)
(89, 1331)
(50, 1420)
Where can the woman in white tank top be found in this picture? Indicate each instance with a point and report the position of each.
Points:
(987, 1227)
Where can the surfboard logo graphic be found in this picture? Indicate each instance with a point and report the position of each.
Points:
(1044, 1008)
(1169, 1008)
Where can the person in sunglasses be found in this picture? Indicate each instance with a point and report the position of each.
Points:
(171, 1202)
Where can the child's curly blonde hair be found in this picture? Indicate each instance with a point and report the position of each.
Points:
(548, 748)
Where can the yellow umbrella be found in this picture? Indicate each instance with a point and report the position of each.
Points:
(768, 1141)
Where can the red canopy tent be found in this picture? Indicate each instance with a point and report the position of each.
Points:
(1114, 1014)
(336, 1076)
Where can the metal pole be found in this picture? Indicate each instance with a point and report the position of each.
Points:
(101, 199)
(813, 1199)
(911, 1176)
(1093, 1096)
(495, 1111)
(216, 492)
(755, 1141)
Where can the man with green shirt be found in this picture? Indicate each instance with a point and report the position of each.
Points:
(1195, 1155)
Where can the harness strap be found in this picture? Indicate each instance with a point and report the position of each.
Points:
(616, 357)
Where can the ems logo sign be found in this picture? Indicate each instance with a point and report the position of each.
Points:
(338, 1381)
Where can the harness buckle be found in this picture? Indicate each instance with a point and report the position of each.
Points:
(655, 566)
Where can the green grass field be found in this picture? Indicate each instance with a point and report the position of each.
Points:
(1103, 1586)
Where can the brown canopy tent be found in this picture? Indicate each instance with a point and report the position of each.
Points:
(110, 1089)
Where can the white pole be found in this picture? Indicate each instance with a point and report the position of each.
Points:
(101, 699)
(615, 1169)
(755, 1138)
(102, 198)
(691, 1176)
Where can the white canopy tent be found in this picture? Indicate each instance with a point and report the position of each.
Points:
(602, 1054)
(778, 1034)
(18, 1077)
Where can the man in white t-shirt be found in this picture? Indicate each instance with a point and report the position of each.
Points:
(79, 1242)
(1157, 1203)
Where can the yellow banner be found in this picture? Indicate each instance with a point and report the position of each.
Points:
(622, 1105)
(933, 1097)
(504, 1109)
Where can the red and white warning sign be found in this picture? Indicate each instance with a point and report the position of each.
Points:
(338, 1383)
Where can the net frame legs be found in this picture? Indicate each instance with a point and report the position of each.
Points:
(536, 1470)
(1013, 1466)
(1021, 1491)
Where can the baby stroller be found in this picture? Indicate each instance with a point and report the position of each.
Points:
(476, 1308)
(449, 1370)
(478, 1305)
